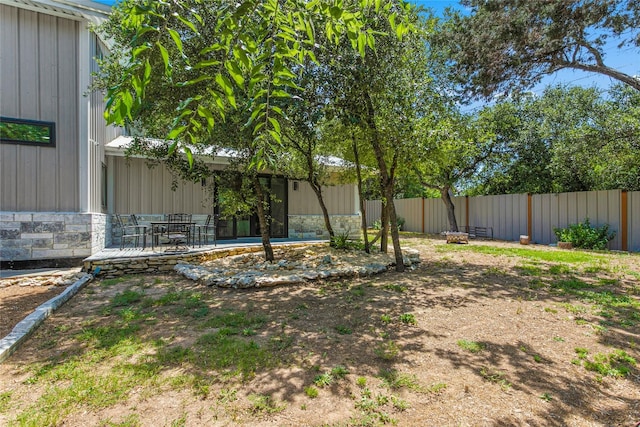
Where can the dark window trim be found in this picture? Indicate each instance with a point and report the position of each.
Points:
(50, 125)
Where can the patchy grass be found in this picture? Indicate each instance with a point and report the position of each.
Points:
(367, 351)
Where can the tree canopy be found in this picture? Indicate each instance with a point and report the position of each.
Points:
(506, 45)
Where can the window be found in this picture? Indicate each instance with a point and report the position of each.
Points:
(32, 132)
(103, 187)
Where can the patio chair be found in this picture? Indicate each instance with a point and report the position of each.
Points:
(131, 231)
(179, 229)
(207, 229)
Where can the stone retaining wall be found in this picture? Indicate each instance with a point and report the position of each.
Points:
(110, 268)
(312, 226)
(50, 235)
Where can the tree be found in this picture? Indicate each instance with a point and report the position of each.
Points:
(449, 151)
(189, 63)
(568, 139)
(505, 45)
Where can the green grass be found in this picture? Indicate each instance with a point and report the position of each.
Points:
(344, 330)
(472, 346)
(311, 392)
(571, 257)
(264, 404)
(529, 270)
(615, 364)
(496, 377)
(408, 319)
(396, 380)
(5, 399)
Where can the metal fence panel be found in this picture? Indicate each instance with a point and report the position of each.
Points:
(633, 218)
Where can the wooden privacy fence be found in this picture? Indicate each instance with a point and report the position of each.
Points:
(534, 215)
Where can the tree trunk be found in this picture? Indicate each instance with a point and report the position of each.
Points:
(262, 219)
(317, 188)
(363, 209)
(451, 214)
(386, 181)
(384, 227)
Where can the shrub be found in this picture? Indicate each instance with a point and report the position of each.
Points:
(377, 224)
(585, 235)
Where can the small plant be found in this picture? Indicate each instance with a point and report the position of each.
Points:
(496, 377)
(343, 330)
(385, 318)
(125, 298)
(615, 364)
(437, 387)
(339, 372)
(264, 404)
(585, 235)
(311, 392)
(395, 288)
(546, 397)
(399, 404)
(408, 319)
(323, 380)
(5, 398)
(361, 382)
(472, 346)
(387, 350)
(397, 380)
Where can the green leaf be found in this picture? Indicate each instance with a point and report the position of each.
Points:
(137, 85)
(336, 12)
(138, 50)
(207, 63)
(235, 72)
(147, 73)
(172, 147)
(206, 114)
(165, 59)
(194, 81)
(189, 154)
(187, 23)
(362, 43)
(176, 39)
(276, 136)
(275, 124)
(241, 56)
(176, 132)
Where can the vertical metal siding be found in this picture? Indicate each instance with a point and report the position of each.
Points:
(38, 64)
(140, 190)
(339, 199)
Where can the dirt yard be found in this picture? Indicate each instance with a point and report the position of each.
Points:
(485, 334)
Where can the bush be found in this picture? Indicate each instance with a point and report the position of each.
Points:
(585, 236)
(377, 224)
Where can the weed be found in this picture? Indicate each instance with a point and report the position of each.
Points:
(323, 380)
(264, 404)
(538, 359)
(558, 339)
(550, 310)
(387, 350)
(125, 298)
(343, 330)
(529, 270)
(574, 309)
(408, 319)
(361, 382)
(494, 271)
(180, 422)
(569, 285)
(227, 395)
(559, 269)
(495, 377)
(357, 291)
(385, 318)
(615, 364)
(399, 404)
(472, 346)
(396, 380)
(581, 352)
(546, 397)
(238, 319)
(437, 387)
(395, 288)
(5, 398)
(311, 392)
(115, 281)
(339, 372)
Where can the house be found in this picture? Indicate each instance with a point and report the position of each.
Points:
(62, 168)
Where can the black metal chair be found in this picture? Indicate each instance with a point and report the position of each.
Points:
(179, 229)
(207, 229)
(131, 230)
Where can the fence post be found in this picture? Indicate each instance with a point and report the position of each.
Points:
(529, 217)
(466, 213)
(423, 215)
(624, 225)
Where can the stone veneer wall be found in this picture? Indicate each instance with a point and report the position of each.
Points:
(116, 267)
(28, 236)
(312, 226)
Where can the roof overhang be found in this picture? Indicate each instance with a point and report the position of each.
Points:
(79, 10)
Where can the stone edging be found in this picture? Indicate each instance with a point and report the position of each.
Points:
(10, 343)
